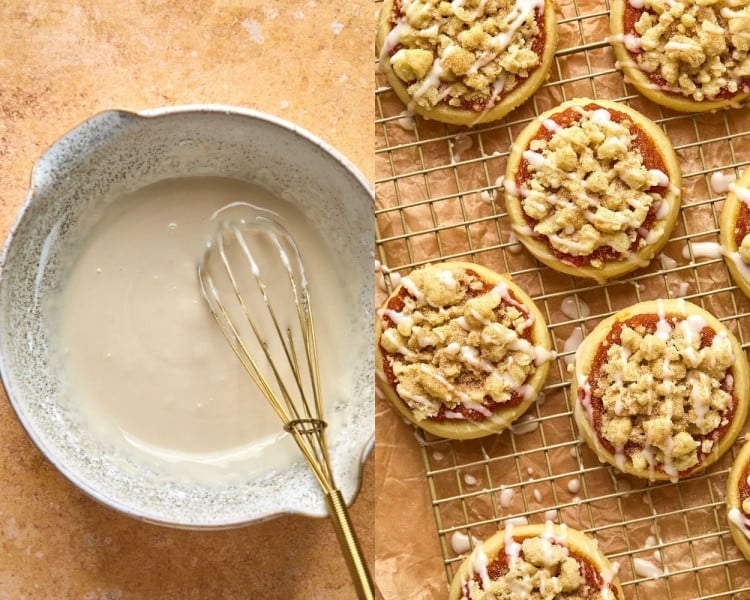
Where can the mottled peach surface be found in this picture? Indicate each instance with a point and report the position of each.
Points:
(308, 61)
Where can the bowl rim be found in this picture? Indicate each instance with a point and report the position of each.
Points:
(5, 377)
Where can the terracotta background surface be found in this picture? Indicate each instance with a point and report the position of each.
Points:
(60, 63)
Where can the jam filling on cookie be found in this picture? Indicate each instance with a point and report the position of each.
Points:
(541, 566)
(456, 347)
(660, 392)
(740, 516)
(698, 50)
(465, 55)
(742, 225)
(592, 185)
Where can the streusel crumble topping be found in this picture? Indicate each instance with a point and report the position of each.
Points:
(697, 48)
(465, 54)
(665, 388)
(456, 346)
(588, 188)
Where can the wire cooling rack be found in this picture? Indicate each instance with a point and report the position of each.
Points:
(439, 197)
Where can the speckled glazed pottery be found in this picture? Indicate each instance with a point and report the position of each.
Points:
(114, 153)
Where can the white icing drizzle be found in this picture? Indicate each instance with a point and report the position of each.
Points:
(432, 80)
(478, 562)
(573, 342)
(512, 547)
(742, 267)
(515, 246)
(703, 250)
(742, 193)
(406, 120)
(462, 543)
(667, 262)
(393, 39)
(632, 42)
(506, 496)
(682, 289)
(525, 424)
(542, 356)
(514, 20)
(585, 387)
(720, 182)
(662, 206)
(453, 393)
(739, 520)
(661, 177)
(535, 159)
(395, 316)
(553, 543)
(462, 396)
(448, 280)
(401, 349)
(460, 144)
(644, 568)
(410, 287)
(601, 115)
(510, 186)
(572, 309)
(517, 521)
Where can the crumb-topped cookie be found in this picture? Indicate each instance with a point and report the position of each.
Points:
(536, 561)
(466, 62)
(734, 231)
(738, 500)
(593, 188)
(660, 389)
(688, 55)
(462, 350)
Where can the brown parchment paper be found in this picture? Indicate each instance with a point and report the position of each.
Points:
(438, 197)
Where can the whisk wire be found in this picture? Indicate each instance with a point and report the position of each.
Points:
(295, 427)
(302, 419)
(271, 231)
(226, 263)
(305, 428)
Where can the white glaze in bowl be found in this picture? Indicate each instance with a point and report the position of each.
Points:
(114, 153)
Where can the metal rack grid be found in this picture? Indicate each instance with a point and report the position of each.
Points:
(439, 197)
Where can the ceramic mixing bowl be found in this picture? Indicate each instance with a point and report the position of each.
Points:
(115, 153)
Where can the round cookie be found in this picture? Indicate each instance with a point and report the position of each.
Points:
(461, 350)
(593, 188)
(738, 500)
(555, 556)
(466, 62)
(734, 231)
(660, 389)
(686, 55)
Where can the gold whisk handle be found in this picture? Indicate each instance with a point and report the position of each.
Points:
(349, 546)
